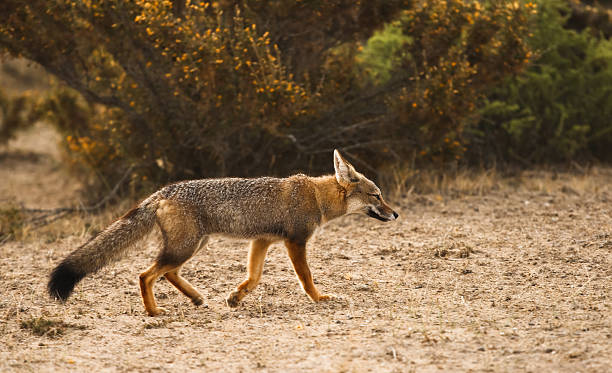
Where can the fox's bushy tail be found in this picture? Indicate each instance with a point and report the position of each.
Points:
(106, 247)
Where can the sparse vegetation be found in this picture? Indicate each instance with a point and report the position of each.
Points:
(43, 326)
(12, 222)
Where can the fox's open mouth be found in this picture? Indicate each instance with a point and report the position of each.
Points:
(374, 215)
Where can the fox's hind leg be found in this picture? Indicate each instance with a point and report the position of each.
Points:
(183, 285)
(257, 254)
(182, 238)
(147, 279)
(168, 264)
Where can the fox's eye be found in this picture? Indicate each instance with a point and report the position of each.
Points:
(377, 196)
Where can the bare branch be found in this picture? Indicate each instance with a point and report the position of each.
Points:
(47, 216)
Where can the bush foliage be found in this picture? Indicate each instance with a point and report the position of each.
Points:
(184, 89)
(560, 108)
(15, 113)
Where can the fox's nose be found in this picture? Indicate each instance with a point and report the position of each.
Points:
(395, 214)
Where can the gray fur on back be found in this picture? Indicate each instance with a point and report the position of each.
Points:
(248, 207)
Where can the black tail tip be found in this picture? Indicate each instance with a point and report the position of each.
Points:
(62, 281)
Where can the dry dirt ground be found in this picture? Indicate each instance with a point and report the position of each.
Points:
(492, 275)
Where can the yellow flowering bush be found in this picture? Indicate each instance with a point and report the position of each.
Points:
(184, 96)
(184, 89)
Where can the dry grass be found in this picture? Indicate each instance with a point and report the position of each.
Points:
(401, 182)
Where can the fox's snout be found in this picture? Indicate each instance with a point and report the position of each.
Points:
(383, 213)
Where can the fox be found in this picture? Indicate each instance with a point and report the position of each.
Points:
(263, 210)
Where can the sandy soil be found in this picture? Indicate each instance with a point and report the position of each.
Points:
(517, 278)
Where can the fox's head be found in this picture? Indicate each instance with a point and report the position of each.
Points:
(362, 195)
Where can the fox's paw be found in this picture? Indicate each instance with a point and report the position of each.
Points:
(233, 299)
(156, 311)
(324, 297)
(197, 301)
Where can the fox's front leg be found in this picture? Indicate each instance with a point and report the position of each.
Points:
(257, 255)
(297, 254)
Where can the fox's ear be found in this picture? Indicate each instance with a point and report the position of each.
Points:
(345, 172)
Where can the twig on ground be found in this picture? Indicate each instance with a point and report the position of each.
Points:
(47, 216)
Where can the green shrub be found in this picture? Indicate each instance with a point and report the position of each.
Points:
(560, 109)
(382, 52)
(451, 53)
